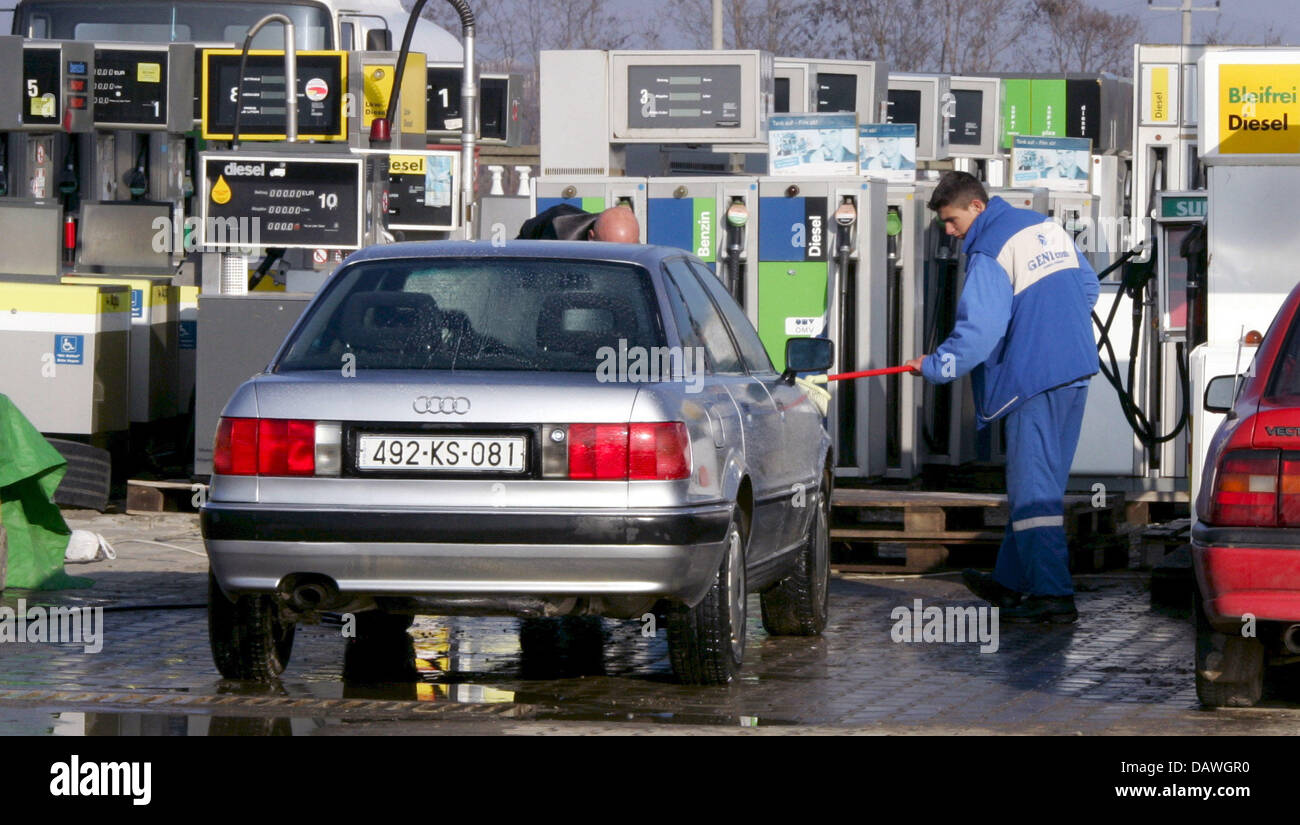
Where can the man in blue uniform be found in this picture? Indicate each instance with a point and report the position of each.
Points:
(1024, 332)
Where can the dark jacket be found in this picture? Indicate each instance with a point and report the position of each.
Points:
(561, 222)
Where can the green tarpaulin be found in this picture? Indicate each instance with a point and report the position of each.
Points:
(30, 471)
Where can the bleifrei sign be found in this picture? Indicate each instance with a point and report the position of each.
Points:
(1253, 103)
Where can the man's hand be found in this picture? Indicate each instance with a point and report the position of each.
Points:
(915, 364)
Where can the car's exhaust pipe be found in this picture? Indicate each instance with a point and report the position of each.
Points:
(1291, 639)
(311, 593)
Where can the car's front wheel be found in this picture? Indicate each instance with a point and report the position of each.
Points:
(249, 638)
(1229, 666)
(706, 643)
(799, 604)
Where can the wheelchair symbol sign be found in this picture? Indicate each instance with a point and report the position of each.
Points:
(69, 349)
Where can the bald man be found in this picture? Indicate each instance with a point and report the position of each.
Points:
(615, 225)
(563, 222)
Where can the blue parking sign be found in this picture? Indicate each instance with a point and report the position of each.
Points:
(137, 303)
(69, 349)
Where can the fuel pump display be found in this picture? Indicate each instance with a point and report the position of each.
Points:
(322, 86)
(130, 88)
(289, 202)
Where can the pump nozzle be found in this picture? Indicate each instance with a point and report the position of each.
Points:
(846, 214)
(737, 213)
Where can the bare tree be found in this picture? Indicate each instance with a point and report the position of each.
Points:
(787, 28)
(1079, 38)
(976, 36)
(897, 32)
(1228, 35)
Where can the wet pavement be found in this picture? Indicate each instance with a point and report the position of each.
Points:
(1124, 668)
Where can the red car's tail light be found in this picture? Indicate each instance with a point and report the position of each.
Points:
(267, 446)
(642, 451)
(1246, 489)
(1288, 504)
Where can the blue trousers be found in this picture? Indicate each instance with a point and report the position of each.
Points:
(1041, 439)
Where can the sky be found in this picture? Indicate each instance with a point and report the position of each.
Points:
(1244, 18)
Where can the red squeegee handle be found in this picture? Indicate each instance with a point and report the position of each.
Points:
(867, 373)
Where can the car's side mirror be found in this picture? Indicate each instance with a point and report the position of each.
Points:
(807, 355)
(1220, 394)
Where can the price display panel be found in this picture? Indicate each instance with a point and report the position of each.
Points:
(263, 99)
(260, 201)
(684, 97)
(130, 88)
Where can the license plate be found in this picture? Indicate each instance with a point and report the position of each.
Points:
(469, 454)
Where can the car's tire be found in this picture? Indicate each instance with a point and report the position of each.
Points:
(799, 604)
(89, 475)
(561, 646)
(1229, 667)
(249, 639)
(706, 643)
(382, 650)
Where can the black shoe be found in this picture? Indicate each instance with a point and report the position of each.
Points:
(1051, 609)
(988, 589)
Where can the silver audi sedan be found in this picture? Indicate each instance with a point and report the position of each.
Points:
(538, 429)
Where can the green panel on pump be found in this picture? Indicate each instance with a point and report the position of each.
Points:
(1048, 108)
(794, 241)
(1015, 109)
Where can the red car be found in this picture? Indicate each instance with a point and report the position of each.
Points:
(1246, 543)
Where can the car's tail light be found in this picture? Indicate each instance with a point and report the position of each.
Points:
(265, 446)
(658, 451)
(640, 452)
(1288, 499)
(598, 451)
(1246, 489)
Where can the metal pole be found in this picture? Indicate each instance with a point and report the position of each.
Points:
(717, 25)
(469, 116)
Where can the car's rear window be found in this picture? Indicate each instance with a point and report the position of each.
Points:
(476, 314)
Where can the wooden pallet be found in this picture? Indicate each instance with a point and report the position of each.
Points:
(143, 496)
(920, 529)
(1159, 540)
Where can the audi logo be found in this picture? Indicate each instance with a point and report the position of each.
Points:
(446, 405)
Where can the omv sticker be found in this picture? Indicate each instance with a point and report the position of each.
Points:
(805, 326)
(137, 303)
(69, 349)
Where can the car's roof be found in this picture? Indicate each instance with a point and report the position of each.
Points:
(642, 254)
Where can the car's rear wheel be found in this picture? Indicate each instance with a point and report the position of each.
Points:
(799, 604)
(249, 638)
(706, 643)
(1229, 667)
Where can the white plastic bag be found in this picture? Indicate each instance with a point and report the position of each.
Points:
(85, 547)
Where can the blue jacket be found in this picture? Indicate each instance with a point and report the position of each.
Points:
(1024, 320)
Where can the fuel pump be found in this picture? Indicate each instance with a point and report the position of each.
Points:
(822, 273)
(706, 216)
